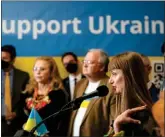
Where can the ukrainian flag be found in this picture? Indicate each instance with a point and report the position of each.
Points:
(33, 120)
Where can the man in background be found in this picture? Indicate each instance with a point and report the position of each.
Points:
(13, 82)
(151, 86)
(72, 66)
(94, 115)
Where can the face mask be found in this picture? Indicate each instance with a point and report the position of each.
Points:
(72, 68)
(5, 64)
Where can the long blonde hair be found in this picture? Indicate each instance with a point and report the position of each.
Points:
(136, 92)
(55, 79)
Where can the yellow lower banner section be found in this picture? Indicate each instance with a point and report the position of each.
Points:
(27, 63)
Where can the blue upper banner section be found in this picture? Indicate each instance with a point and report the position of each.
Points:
(52, 28)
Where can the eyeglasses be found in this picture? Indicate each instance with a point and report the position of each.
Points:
(39, 69)
(90, 62)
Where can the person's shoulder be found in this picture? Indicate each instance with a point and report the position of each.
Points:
(153, 86)
(25, 94)
(56, 92)
(83, 80)
(20, 71)
(65, 79)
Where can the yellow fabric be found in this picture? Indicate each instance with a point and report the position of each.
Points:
(8, 106)
(85, 104)
(119, 134)
(30, 124)
(111, 133)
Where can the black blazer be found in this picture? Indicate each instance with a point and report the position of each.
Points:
(20, 80)
(66, 84)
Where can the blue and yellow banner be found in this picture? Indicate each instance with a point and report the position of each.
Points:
(39, 28)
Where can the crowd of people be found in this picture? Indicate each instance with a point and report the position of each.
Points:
(129, 109)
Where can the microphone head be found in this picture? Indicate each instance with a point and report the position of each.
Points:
(102, 91)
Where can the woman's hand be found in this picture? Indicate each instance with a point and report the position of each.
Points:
(125, 117)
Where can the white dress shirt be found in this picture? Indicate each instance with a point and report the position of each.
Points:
(72, 83)
(82, 110)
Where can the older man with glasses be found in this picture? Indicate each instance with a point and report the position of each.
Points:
(94, 115)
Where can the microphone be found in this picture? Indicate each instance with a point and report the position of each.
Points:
(101, 91)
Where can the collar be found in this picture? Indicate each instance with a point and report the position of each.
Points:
(10, 72)
(72, 77)
(93, 83)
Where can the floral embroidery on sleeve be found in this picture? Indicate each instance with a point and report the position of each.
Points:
(37, 104)
(37, 101)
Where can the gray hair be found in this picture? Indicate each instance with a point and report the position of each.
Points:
(104, 58)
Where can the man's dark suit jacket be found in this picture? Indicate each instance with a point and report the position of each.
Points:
(20, 79)
(67, 86)
(154, 92)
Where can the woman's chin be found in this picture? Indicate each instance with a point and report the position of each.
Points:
(117, 92)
